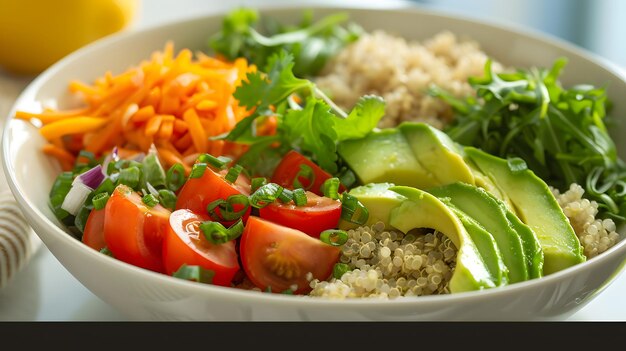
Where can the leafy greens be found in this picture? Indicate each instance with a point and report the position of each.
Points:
(312, 126)
(311, 43)
(561, 133)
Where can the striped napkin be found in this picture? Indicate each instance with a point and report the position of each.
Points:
(18, 242)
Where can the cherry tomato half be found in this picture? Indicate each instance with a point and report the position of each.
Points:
(134, 232)
(93, 235)
(185, 243)
(278, 257)
(197, 193)
(319, 213)
(287, 170)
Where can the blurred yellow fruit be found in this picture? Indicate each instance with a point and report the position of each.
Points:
(34, 34)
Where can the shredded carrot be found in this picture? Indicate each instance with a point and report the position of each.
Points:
(175, 101)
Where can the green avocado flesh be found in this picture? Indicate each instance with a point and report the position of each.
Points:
(520, 251)
(378, 200)
(413, 154)
(423, 210)
(536, 207)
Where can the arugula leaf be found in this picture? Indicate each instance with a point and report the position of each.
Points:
(560, 133)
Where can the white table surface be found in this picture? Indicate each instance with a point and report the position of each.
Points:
(44, 290)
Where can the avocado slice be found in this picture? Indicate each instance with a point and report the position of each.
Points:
(385, 156)
(437, 153)
(486, 245)
(378, 200)
(413, 154)
(423, 210)
(492, 214)
(536, 207)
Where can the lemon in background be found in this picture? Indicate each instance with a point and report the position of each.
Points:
(34, 34)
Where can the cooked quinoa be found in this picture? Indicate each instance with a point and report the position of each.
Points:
(595, 235)
(401, 71)
(388, 264)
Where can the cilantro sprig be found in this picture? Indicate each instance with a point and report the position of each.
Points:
(561, 133)
(311, 124)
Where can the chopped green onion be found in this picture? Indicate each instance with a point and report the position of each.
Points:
(330, 188)
(106, 251)
(339, 269)
(100, 200)
(194, 273)
(334, 237)
(215, 162)
(81, 218)
(285, 196)
(227, 208)
(299, 197)
(167, 198)
(197, 170)
(60, 188)
(305, 172)
(150, 200)
(287, 292)
(129, 176)
(107, 186)
(233, 173)
(352, 210)
(265, 195)
(216, 233)
(346, 177)
(257, 183)
(152, 171)
(175, 177)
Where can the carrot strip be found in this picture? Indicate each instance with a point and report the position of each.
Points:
(71, 126)
(198, 135)
(153, 125)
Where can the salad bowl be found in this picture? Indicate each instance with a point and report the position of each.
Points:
(144, 295)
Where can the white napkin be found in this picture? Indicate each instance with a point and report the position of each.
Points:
(18, 242)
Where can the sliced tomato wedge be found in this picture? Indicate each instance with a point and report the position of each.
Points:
(93, 234)
(197, 193)
(277, 257)
(319, 213)
(186, 244)
(134, 232)
(287, 172)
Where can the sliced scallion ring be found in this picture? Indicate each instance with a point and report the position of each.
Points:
(233, 173)
(352, 210)
(197, 170)
(216, 233)
(175, 177)
(330, 188)
(265, 195)
(299, 197)
(224, 210)
(100, 200)
(307, 173)
(334, 237)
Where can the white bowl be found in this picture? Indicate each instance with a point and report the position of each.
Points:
(145, 295)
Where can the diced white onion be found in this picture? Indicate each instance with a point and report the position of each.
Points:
(75, 198)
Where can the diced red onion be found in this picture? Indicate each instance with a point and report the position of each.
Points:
(91, 178)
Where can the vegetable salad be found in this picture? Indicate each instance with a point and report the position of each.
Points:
(229, 167)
